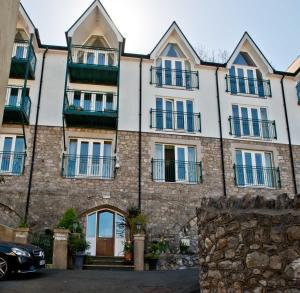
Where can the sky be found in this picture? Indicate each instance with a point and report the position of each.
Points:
(211, 24)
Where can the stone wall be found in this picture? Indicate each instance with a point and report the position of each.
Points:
(249, 244)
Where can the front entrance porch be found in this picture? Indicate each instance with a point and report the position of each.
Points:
(105, 232)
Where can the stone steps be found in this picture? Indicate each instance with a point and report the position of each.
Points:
(107, 263)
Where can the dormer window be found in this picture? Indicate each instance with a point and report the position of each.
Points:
(246, 78)
(173, 69)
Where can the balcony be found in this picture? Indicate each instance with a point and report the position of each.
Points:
(263, 129)
(93, 65)
(176, 171)
(175, 121)
(17, 106)
(23, 59)
(91, 109)
(12, 163)
(248, 86)
(183, 79)
(248, 176)
(88, 167)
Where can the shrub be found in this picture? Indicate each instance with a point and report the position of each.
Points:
(70, 221)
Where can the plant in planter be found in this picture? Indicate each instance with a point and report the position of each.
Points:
(71, 108)
(183, 247)
(134, 219)
(128, 251)
(78, 245)
(155, 249)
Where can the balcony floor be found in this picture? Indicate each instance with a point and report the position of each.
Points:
(93, 74)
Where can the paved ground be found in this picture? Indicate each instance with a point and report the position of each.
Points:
(184, 281)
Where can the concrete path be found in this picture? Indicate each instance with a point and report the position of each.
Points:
(183, 281)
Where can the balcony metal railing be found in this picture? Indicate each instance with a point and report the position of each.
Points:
(298, 92)
(23, 51)
(248, 86)
(90, 101)
(163, 77)
(257, 176)
(176, 171)
(265, 129)
(177, 121)
(94, 55)
(12, 163)
(74, 166)
(15, 98)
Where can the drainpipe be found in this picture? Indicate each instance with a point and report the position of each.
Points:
(35, 138)
(221, 134)
(289, 136)
(140, 135)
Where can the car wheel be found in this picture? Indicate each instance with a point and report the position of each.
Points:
(4, 267)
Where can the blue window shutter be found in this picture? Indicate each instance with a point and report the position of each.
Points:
(159, 165)
(270, 175)
(168, 72)
(245, 121)
(180, 115)
(255, 122)
(242, 87)
(192, 167)
(236, 120)
(265, 123)
(190, 116)
(169, 115)
(249, 168)
(259, 169)
(181, 164)
(233, 86)
(251, 82)
(18, 156)
(159, 113)
(240, 180)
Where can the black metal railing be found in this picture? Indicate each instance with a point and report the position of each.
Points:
(92, 101)
(257, 176)
(249, 86)
(176, 171)
(15, 98)
(265, 129)
(163, 77)
(94, 55)
(74, 166)
(12, 163)
(177, 121)
(23, 51)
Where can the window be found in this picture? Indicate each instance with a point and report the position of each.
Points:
(90, 158)
(12, 154)
(252, 121)
(94, 56)
(175, 114)
(246, 78)
(298, 91)
(174, 163)
(255, 168)
(92, 101)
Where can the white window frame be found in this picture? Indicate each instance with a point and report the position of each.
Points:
(71, 94)
(8, 94)
(173, 72)
(253, 161)
(185, 147)
(90, 154)
(96, 53)
(13, 147)
(174, 109)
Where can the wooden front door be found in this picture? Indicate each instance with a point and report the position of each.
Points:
(105, 234)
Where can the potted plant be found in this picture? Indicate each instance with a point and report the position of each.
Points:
(128, 251)
(78, 245)
(184, 247)
(155, 249)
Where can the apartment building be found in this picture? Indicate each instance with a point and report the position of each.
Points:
(93, 127)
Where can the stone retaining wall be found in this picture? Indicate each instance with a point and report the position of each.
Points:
(249, 244)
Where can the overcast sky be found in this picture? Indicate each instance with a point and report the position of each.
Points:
(215, 24)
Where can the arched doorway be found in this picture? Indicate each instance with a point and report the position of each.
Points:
(105, 231)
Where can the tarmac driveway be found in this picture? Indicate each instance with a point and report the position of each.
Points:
(183, 281)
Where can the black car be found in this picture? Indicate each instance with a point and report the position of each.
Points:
(20, 258)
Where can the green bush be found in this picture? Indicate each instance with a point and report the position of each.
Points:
(70, 221)
(78, 243)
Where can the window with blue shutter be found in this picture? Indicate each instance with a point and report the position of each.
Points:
(180, 115)
(249, 169)
(251, 82)
(181, 164)
(265, 123)
(18, 156)
(178, 68)
(169, 115)
(192, 167)
(240, 179)
(159, 113)
(242, 87)
(107, 162)
(245, 121)
(255, 122)
(159, 166)
(236, 120)
(259, 169)
(190, 116)
(233, 85)
(168, 72)
(72, 158)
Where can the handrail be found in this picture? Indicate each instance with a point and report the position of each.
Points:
(265, 129)
(175, 120)
(257, 176)
(249, 86)
(176, 171)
